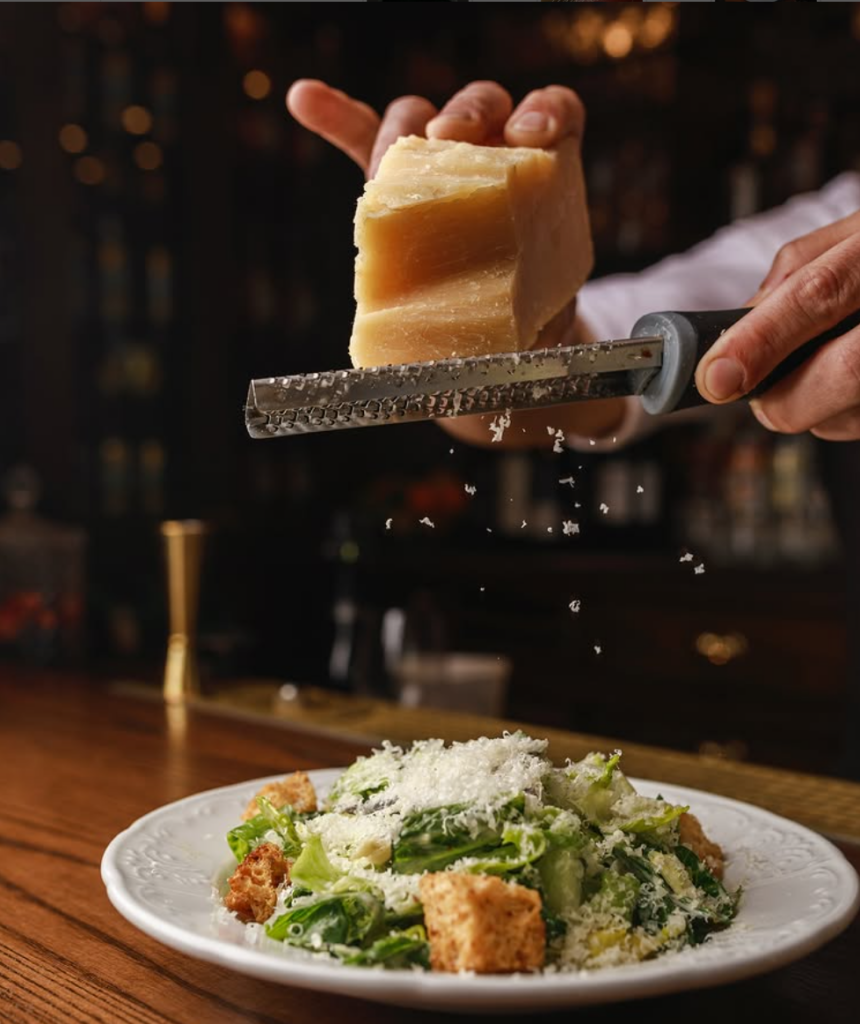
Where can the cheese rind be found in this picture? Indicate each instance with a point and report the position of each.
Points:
(466, 250)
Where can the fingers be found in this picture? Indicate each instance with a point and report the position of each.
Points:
(545, 117)
(479, 113)
(407, 115)
(798, 253)
(346, 123)
(475, 114)
(824, 389)
(840, 428)
(813, 298)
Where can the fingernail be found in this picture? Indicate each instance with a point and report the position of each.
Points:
(449, 120)
(724, 378)
(531, 122)
(761, 415)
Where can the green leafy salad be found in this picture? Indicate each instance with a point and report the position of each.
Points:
(618, 877)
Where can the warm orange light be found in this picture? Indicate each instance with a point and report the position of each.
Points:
(243, 24)
(136, 120)
(763, 140)
(257, 84)
(73, 138)
(632, 15)
(763, 96)
(89, 170)
(10, 155)
(657, 26)
(617, 40)
(156, 13)
(148, 156)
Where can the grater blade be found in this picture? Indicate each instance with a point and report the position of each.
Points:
(406, 392)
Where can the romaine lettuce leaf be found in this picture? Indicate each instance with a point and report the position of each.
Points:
(347, 919)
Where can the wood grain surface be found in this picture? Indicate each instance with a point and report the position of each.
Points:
(77, 765)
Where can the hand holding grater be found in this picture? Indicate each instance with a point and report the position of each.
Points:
(657, 363)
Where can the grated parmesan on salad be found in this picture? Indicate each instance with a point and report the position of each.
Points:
(616, 876)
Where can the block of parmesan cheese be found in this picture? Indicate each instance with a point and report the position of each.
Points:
(466, 250)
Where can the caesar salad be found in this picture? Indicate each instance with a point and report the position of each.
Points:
(478, 857)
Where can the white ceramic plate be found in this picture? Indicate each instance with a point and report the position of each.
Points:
(799, 891)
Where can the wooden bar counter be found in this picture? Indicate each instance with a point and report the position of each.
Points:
(81, 761)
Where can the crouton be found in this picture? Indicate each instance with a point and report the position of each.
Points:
(254, 884)
(708, 852)
(480, 923)
(297, 790)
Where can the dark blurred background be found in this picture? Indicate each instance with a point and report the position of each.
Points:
(167, 232)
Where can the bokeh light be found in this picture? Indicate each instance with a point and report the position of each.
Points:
(89, 170)
(136, 120)
(156, 13)
(257, 84)
(148, 156)
(617, 40)
(73, 138)
(10, 155)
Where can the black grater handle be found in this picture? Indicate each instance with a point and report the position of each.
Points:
(688, 336)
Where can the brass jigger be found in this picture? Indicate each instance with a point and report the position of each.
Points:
(184, 549)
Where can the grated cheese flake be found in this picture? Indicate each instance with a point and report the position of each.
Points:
(687, 557)
(640, 489)
(699, 569)
(569, 527)
(604, 508)
(575, 605)
(427, 521)
(568, 480)
(470, 488)
(499, 425)
(388, 523)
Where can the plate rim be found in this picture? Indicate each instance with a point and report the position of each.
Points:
(511, 993)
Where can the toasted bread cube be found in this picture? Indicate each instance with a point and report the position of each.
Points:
(480, 923)
(297, 790)
(709, 853)
(254, 884)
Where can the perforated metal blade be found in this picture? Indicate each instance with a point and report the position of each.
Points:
(403, 393)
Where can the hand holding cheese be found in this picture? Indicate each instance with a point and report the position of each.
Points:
(482, 114)
(466, 250)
